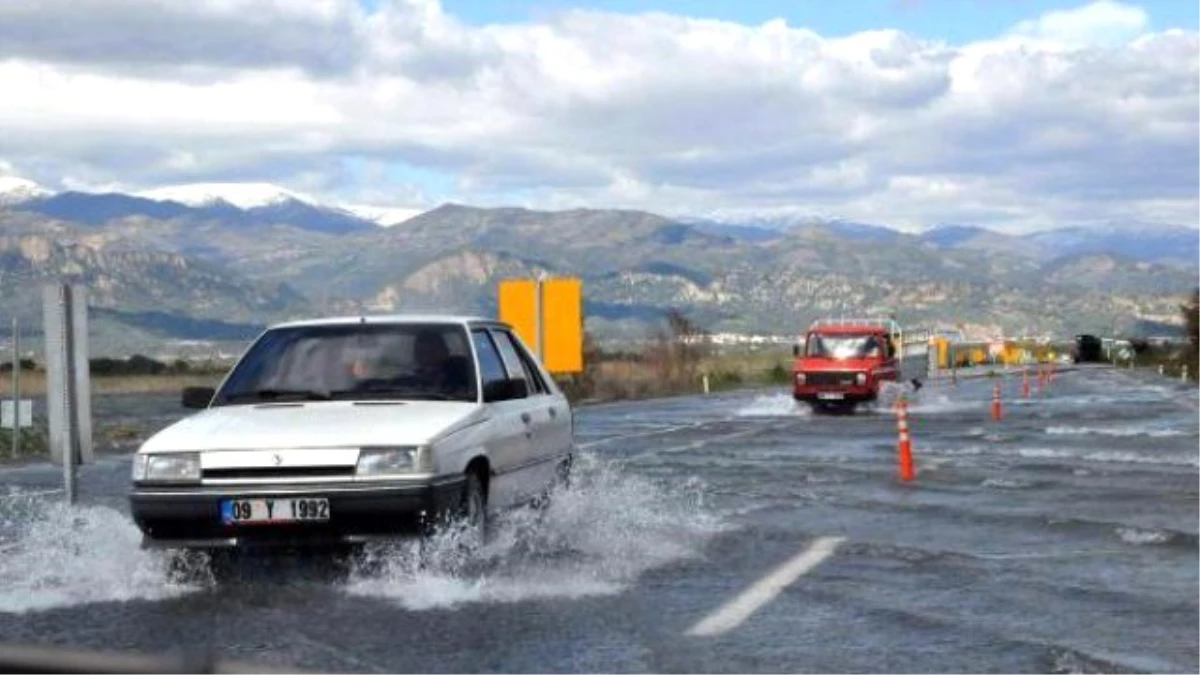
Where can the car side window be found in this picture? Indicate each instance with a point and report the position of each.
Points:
(491, 368)
(534, 373)
(512, 361)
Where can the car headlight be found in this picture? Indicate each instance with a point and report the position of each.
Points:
(390, 460)
(861, 379)
(801, 378)
(173, 467)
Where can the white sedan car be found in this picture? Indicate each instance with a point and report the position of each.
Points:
(339, 431)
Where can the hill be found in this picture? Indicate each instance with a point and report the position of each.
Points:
(212, 269)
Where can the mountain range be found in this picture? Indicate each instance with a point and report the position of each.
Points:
(218, 261)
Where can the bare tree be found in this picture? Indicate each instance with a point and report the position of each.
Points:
(677, 348)
(1191, 317)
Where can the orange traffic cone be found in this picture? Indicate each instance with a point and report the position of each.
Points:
(905, 445)
(997, 407)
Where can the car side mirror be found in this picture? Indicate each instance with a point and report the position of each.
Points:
(198, 398)
(505, 390)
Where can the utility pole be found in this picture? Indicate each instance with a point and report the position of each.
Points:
(16, 389)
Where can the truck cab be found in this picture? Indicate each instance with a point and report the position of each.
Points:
(844, 362)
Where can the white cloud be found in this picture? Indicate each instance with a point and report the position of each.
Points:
(1101, 23)
(1072, 116)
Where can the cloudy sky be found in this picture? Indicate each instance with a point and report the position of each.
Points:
(1017, 114)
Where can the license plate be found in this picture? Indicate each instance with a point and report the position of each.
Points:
(831, 396)
(257, 511)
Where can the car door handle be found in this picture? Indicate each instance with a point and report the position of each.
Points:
(526, 418)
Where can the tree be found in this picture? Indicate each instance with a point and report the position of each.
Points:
(678, 348)
(1191, 317)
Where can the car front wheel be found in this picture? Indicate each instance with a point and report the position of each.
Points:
(472, 513)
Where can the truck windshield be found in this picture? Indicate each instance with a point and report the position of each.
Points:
(355, 361)
(843, 346)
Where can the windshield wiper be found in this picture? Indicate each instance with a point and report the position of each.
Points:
(280, 395)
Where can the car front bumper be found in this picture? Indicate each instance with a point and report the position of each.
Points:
(847, 395)
(190, 517)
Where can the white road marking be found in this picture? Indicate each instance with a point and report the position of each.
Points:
(733, 613)
(646, 434)
(716, 439)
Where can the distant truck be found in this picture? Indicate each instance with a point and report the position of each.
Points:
(1087, 349)
(844, 362)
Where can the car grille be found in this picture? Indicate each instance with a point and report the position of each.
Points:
(270, 472)
(830, 379)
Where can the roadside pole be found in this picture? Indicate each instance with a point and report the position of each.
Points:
(539, 319)
(16, 389)
(68, 386)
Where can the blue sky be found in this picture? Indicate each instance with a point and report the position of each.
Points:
(955, 21)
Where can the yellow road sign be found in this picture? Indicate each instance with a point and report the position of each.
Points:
(548, 316)
(519, 309)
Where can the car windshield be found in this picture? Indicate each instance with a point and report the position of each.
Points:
(354, 361)
(843, 346)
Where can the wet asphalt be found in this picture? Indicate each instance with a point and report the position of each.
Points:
(1061, 539)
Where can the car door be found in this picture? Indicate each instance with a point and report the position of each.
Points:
(509, 445)
(560, 433)
(537, 413)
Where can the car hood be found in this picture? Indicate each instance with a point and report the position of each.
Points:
(323, 424)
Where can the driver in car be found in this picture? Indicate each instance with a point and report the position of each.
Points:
(429, 354)
(435, 367)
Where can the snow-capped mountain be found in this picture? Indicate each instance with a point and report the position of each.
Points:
(235, 204)
(241, 195)
(381, 215)
(14, 190)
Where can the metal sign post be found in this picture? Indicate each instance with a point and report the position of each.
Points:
(68, 387)
(538, 312)
(16, 389)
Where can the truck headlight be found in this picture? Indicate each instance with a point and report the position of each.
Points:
(390, 460)
(173, 467)
(801, 378)
(861, 379)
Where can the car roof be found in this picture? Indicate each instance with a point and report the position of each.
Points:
(392, 319)
(835, 329)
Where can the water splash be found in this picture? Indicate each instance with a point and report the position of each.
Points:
(1139, 537)
(1005, 483)
(595, 538)
(54, 555)
(774, 405)
(1119, 432)
(940, 403)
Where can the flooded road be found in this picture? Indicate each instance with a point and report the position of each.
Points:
(732, 532)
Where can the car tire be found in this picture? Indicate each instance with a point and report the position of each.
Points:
(472, 513)
(224, 565)
(562, 481)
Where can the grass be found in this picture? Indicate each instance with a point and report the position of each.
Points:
(1172, 360)
(34, 442)
(630, 378)
(34, 384)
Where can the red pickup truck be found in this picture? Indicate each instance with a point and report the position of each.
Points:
(844, 362)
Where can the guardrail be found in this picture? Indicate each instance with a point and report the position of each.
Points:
(29, 659)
